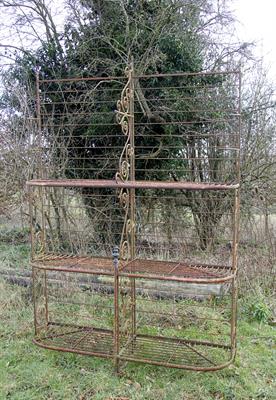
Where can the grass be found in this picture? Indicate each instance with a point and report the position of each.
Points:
(28, 372)
(14, 257)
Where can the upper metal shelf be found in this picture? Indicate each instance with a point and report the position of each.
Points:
(183, 185)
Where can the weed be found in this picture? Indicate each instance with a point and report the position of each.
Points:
(256, 307)
(260, 311)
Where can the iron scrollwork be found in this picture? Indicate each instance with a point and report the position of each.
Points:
(123, 117)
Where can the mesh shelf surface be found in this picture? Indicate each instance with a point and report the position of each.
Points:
(175, 352)
(88, 265)
(83, 340)
(139, 268)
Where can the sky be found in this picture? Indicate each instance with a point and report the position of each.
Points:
(258, 24)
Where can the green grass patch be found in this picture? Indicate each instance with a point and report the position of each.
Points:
(29, 372)
(15, 256)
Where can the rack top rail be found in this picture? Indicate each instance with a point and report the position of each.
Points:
(182, 185)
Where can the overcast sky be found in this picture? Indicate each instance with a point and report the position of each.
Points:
(258, 23)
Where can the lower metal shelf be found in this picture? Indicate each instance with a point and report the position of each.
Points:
(177, 353)
(77, 339)
(162, 351)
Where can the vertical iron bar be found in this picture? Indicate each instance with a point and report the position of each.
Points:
(43, 234)
(30, 198)
(132, 196)
(236, 223)
(46, 299)
(34, 300)
(38, 118)
(115, 255)
(234, 268)
(40, 158)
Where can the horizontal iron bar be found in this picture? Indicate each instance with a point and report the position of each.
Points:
(130, 184)
(179, 74)
(77, 79)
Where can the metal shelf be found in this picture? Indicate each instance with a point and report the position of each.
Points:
(177, 353)
(139, 268)
(163, 351)
(178, 313)
(69, 338)
(131, 184)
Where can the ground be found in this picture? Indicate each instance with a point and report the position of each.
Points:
(29, 372)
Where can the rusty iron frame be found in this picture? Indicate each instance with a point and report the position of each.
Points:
(128, 272)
